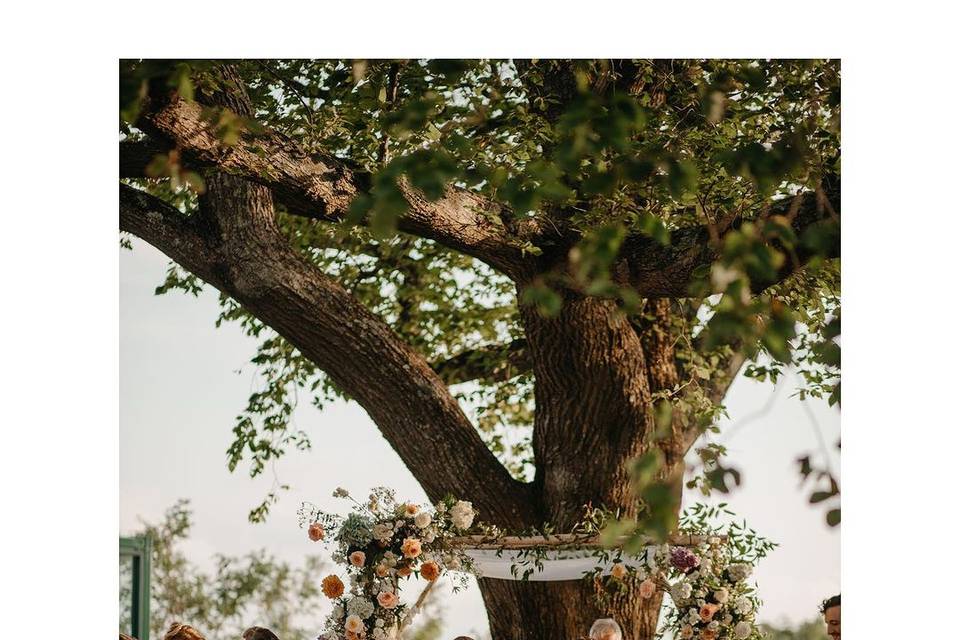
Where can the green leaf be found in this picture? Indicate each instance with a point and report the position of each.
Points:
(833, 517)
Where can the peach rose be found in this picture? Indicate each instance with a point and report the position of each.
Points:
(332, 587)
(707, 611)
(618, 571)
(315, 532)
(429, 571)
(349, 635)
(708, 634)
(388, 600)
(410, 510)
(382, 570)
(404, 570)
(353, 624)
(686, 632)
(647, 588)
(410, 547)
(357, 558)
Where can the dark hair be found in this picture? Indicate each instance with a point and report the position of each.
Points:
(832, 601)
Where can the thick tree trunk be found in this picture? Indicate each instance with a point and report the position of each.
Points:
(595, 373)
(562, 610)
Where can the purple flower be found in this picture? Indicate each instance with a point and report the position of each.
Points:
(683, 559)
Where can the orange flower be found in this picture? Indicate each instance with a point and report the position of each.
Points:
(410, 510)
(647, 588)
(382, 570)
(429, 571)
(332, 587)
(315, 532)
(410, 547)
(388, 600)
(357, 558)
(404, 570)
(707, 611)
(618, 571)
(708, 634)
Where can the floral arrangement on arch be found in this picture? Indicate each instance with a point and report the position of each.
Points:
(383, 542)
(710, 596)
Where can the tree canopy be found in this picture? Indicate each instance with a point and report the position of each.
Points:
(447, 197)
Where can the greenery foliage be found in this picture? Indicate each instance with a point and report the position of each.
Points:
(241, 591)
(556, 143)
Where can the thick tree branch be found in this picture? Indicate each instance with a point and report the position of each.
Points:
(170, 231)
(654, 270)
(322, 186)
(247, 257)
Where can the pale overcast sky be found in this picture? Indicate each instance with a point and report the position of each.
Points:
(180, 392)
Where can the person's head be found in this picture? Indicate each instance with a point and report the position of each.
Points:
(831, 616)
(605, 629)
(259, 633)
(179, 631)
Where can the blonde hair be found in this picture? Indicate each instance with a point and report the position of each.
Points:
(605, 629)
(180, 631)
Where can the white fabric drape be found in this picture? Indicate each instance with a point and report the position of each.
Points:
(557, 565)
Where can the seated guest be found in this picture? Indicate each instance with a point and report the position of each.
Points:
(179, 631)
(605, 629)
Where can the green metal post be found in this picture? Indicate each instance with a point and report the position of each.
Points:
(139, 549)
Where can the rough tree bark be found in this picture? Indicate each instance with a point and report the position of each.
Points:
(595, 371)
(594, 377)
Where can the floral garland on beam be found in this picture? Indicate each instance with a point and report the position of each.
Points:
(703, 568)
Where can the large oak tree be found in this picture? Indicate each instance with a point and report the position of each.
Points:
(538, 278)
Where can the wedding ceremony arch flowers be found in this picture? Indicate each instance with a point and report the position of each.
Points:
(381, 543)
(706, 583)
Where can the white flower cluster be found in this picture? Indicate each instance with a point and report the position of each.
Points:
(462, 514)
(360, 607)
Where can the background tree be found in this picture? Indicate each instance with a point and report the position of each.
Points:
(810, 630)
(539, 278)
(242, 591)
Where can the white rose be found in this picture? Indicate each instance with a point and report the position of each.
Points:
(461, 514)
(742, 630)
(422, 520)
(721, 595)
(743, 605)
